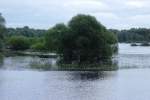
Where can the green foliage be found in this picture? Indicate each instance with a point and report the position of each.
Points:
(86, 41)
(35, 40)
(38, 46)
(111, 37)
(18, 43)
(25, 31)
(53, 37)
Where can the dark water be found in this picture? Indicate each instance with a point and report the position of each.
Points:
(130, 82)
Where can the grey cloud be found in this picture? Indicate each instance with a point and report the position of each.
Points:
(45, 13)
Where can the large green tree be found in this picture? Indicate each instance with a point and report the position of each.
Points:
(87, 41)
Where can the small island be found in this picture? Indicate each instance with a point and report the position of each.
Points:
(82, 42)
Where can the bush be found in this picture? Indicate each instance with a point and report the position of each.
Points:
(38, 47)
(53, 37)
(18, 43)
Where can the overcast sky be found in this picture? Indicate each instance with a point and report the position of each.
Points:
(118, 14)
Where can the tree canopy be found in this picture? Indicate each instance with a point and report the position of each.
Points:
(83, 40)
(18, 43)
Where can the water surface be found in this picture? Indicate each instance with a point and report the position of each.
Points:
(131, 82)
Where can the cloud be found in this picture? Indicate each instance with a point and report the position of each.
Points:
(136, 4)
(46, 13)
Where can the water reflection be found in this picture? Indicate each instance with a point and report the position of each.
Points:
(41, 64)
(91, 75)
(47, 64)
(25, 63)
(85, 75)
(56, 85)
(106, 65)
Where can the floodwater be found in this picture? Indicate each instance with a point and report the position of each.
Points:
(130, 82)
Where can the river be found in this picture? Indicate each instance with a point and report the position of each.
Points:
(130, 82)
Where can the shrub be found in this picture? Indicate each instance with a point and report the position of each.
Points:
(18, 43)
(53, 37)
(38, 47)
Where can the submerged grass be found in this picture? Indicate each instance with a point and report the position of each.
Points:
(46, 65)
(42, 64)
(87, 67)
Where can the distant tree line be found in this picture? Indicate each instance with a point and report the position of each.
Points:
(24, 38)
(25, 31)
(130, 35)
(133, 35)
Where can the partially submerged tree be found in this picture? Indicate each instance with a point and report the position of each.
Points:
(87, 41)
(84, 40)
